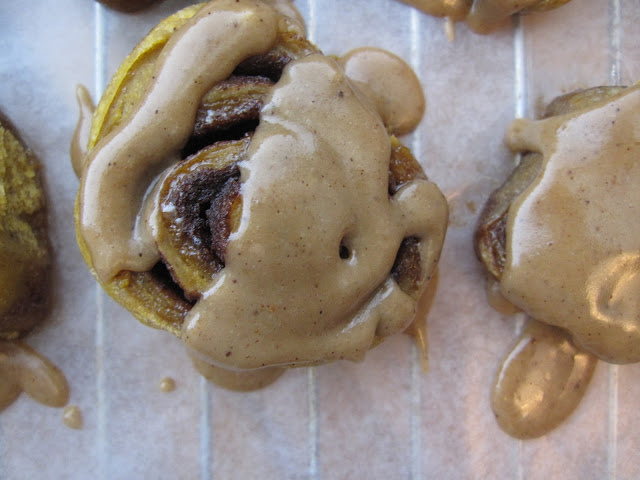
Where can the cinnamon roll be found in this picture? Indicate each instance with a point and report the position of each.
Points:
(482, 16)
(246, 193)
(25, 257)
(128, 6)
(25, 265)
(558, 243)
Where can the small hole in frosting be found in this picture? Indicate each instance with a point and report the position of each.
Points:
(344, 250)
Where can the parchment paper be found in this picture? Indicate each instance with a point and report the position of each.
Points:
(384, 418)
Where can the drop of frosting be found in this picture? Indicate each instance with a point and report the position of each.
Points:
(72, 417)
(167, 384)
(417, 330)
(497, 300)
(78, 150)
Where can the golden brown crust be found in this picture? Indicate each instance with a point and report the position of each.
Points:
(403, 167)
(406, 270)
(490, 234)
(580, 99)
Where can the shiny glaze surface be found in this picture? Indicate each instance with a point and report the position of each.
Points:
(541, 381)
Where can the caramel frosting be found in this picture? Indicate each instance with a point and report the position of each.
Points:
(541, 381)
(573, 255)
(482, 16)
(306, 276)
(400, 111)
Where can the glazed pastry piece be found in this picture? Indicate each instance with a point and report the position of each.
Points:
(25, 263)
(252, 198)
(558, 243)
(482, 16)
(128, 6)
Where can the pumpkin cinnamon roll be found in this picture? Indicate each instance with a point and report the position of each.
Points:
(246, 193)
(558, 242)
(25, 267)
(128, 6)
(25, 257)
(482, 16)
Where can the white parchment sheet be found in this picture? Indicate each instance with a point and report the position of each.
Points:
(384, 418)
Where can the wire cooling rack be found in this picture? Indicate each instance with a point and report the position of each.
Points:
(384, 418)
